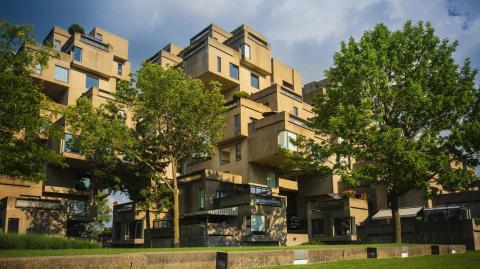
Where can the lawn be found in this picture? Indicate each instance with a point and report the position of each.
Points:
(469, 260)
(99, 251)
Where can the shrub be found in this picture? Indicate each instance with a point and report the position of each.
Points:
(39, 241)
(477, 221)
(240, 94)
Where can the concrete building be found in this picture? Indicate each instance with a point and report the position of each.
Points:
(86, 65)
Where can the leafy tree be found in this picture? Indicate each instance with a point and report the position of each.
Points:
(175, 117)
(25, 111)
(398, 104)
(76, 28)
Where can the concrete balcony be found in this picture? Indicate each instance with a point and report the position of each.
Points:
(200, 61)
(287, 184)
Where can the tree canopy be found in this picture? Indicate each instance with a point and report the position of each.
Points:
(76, 28)
(25, 111)
(397, 102)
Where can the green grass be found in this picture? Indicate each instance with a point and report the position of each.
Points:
(20, 242)
(100, 251)
(469, 260)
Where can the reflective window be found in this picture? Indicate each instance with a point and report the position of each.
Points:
(285, 139)
(234, 71)
(98, 36)
(254, 81)
(119, 69)
(237, 124)
(77, 207)
(258, 223)
(77, 54)
(38, 69)
(271, 180)
(238, 151)
(342, 226)
(245, 51)
(57, 45)
(91, 82)
(135, 229)
(69, 144)
(201, 195)
(61, 73)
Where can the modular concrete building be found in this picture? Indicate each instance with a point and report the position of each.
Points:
(85, 65)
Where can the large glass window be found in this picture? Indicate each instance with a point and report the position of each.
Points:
(225, 155)
(254, 81)
(237, 124)
(238, 151)
(135, 229)
(91, 82)
(83, 184)
(57, 45)
(219, 64)
(264, 191)
(38, 69)
(245, 51)
(234, 71)
(258, 224)
(77, 54)
(77, 207)
(61, 73)
(318, 227)
(285, 139)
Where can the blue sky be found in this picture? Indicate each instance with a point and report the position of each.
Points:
(304, 33)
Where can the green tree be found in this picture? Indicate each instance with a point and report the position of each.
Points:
(25, 111)
(398, 104)
(175, 117)
(76, 28)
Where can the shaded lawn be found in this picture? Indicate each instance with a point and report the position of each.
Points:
(469, 260)
(100, 251)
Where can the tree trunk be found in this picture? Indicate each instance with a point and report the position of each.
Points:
(148, 234)
(176, 207)
(396, 222)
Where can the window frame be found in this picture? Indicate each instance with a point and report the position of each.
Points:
(57, 45)
(75, 50)
(119, 69)
(252, 77)
(91, 77)
(219, 64)
(222, 160)
(234, 67)
(245, 53)
(57, 68)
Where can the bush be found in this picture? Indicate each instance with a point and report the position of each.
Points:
(39, 241)
(477, 221)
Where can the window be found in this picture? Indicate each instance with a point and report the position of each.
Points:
(119, 69)
(238, 151)
(61, 73)
(295, 111)
(77, 207)
(38, 69)
(220, 194)
(234, 71)
(57, 45)
(117, 230)
(83, 184)
(237, 124)
(225, 155)
(91, 82)
(287, 85)
(318, 227)
(254, 81)
(245, 51)
(219, 64)
(13, 224)
(122, 115)
(77, 54)
(135, 229)
(342, 226)
(157, 224)
(98, 36)
(285, 139)
(271, 180)
(69, 144)
(201, 195)
(258, 224)
(259, 190)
